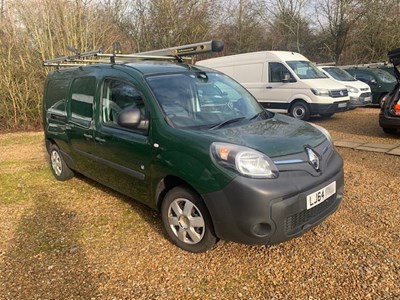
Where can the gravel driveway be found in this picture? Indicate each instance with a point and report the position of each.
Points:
(78, 240)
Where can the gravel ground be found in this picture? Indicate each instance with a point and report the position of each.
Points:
(78, 240)
(359, 125)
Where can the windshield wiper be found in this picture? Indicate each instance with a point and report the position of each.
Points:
(226, 122)
(261, 113)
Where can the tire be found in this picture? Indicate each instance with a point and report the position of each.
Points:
(327, 115)
(187, 221)
(389, 130)
(58, 166)
(300, 110)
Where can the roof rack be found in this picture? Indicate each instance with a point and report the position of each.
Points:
(368, 65)
(97, 56)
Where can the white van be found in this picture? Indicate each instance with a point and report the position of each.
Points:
(359, 92)
(284, 81)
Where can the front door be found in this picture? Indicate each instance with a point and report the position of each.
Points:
(124, 153)
(279, 87)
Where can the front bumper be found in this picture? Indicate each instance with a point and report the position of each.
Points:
(363, 100)
(265, 211)
(332, 108)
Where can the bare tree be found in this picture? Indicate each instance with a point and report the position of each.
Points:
(287, 24)
(337, 19)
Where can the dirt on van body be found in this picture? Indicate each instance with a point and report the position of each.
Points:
(79, 240)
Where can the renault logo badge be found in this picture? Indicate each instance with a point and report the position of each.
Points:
(313, 158)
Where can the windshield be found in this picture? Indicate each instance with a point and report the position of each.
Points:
(385, 76)
(339, 74)
(305, 69)
(204, 100)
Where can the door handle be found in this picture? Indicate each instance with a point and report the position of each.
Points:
(97, 139)
(88, 136)
(269, 87)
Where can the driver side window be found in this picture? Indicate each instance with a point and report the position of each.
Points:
(277, 72)
(118, 96)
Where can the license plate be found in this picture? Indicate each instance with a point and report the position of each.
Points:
(343, 104)
(368, 99)
(320, 196)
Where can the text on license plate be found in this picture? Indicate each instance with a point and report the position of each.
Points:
(320, 196)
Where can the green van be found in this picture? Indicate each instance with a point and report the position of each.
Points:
(193, 144)
(380, 80)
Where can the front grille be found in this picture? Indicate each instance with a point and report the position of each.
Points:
(294, 222)
(339, 93)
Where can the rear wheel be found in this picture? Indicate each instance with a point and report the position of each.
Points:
(300, 110)
(58, 166)
(187, 221)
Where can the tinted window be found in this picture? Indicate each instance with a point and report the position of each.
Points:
(82, 98)
(118, 96)
(56, 95)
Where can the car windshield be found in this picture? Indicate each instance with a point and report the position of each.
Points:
(204, 100)
(339, 74)
(385, 76)
(305, 69)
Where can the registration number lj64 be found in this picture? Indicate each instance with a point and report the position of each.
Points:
(321, 195)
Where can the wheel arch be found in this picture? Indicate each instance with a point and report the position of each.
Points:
(168, 183)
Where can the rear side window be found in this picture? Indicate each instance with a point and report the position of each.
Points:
(56, 95)
(82, 98)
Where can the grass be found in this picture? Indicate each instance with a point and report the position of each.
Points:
(27, 185)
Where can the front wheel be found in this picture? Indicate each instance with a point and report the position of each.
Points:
(187, 221)
(300, 110)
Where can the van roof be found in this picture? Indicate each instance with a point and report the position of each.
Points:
(254, 57)
(144, 67)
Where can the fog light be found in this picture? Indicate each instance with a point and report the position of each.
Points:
(262, 229)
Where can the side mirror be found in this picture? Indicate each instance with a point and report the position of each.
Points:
(372, 81)
(129, 118)
(287, 78)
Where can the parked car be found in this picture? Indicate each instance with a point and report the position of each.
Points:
(193, 144)
(285, 82)
(359, 92)
(380, 81)
(389, 116)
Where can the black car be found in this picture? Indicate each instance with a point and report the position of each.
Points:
(389, 117)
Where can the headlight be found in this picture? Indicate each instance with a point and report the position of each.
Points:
(245, 161)
(351, 89)
(321, 92)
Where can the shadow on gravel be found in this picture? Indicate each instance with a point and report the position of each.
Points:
(45, 260)
(147, 214)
